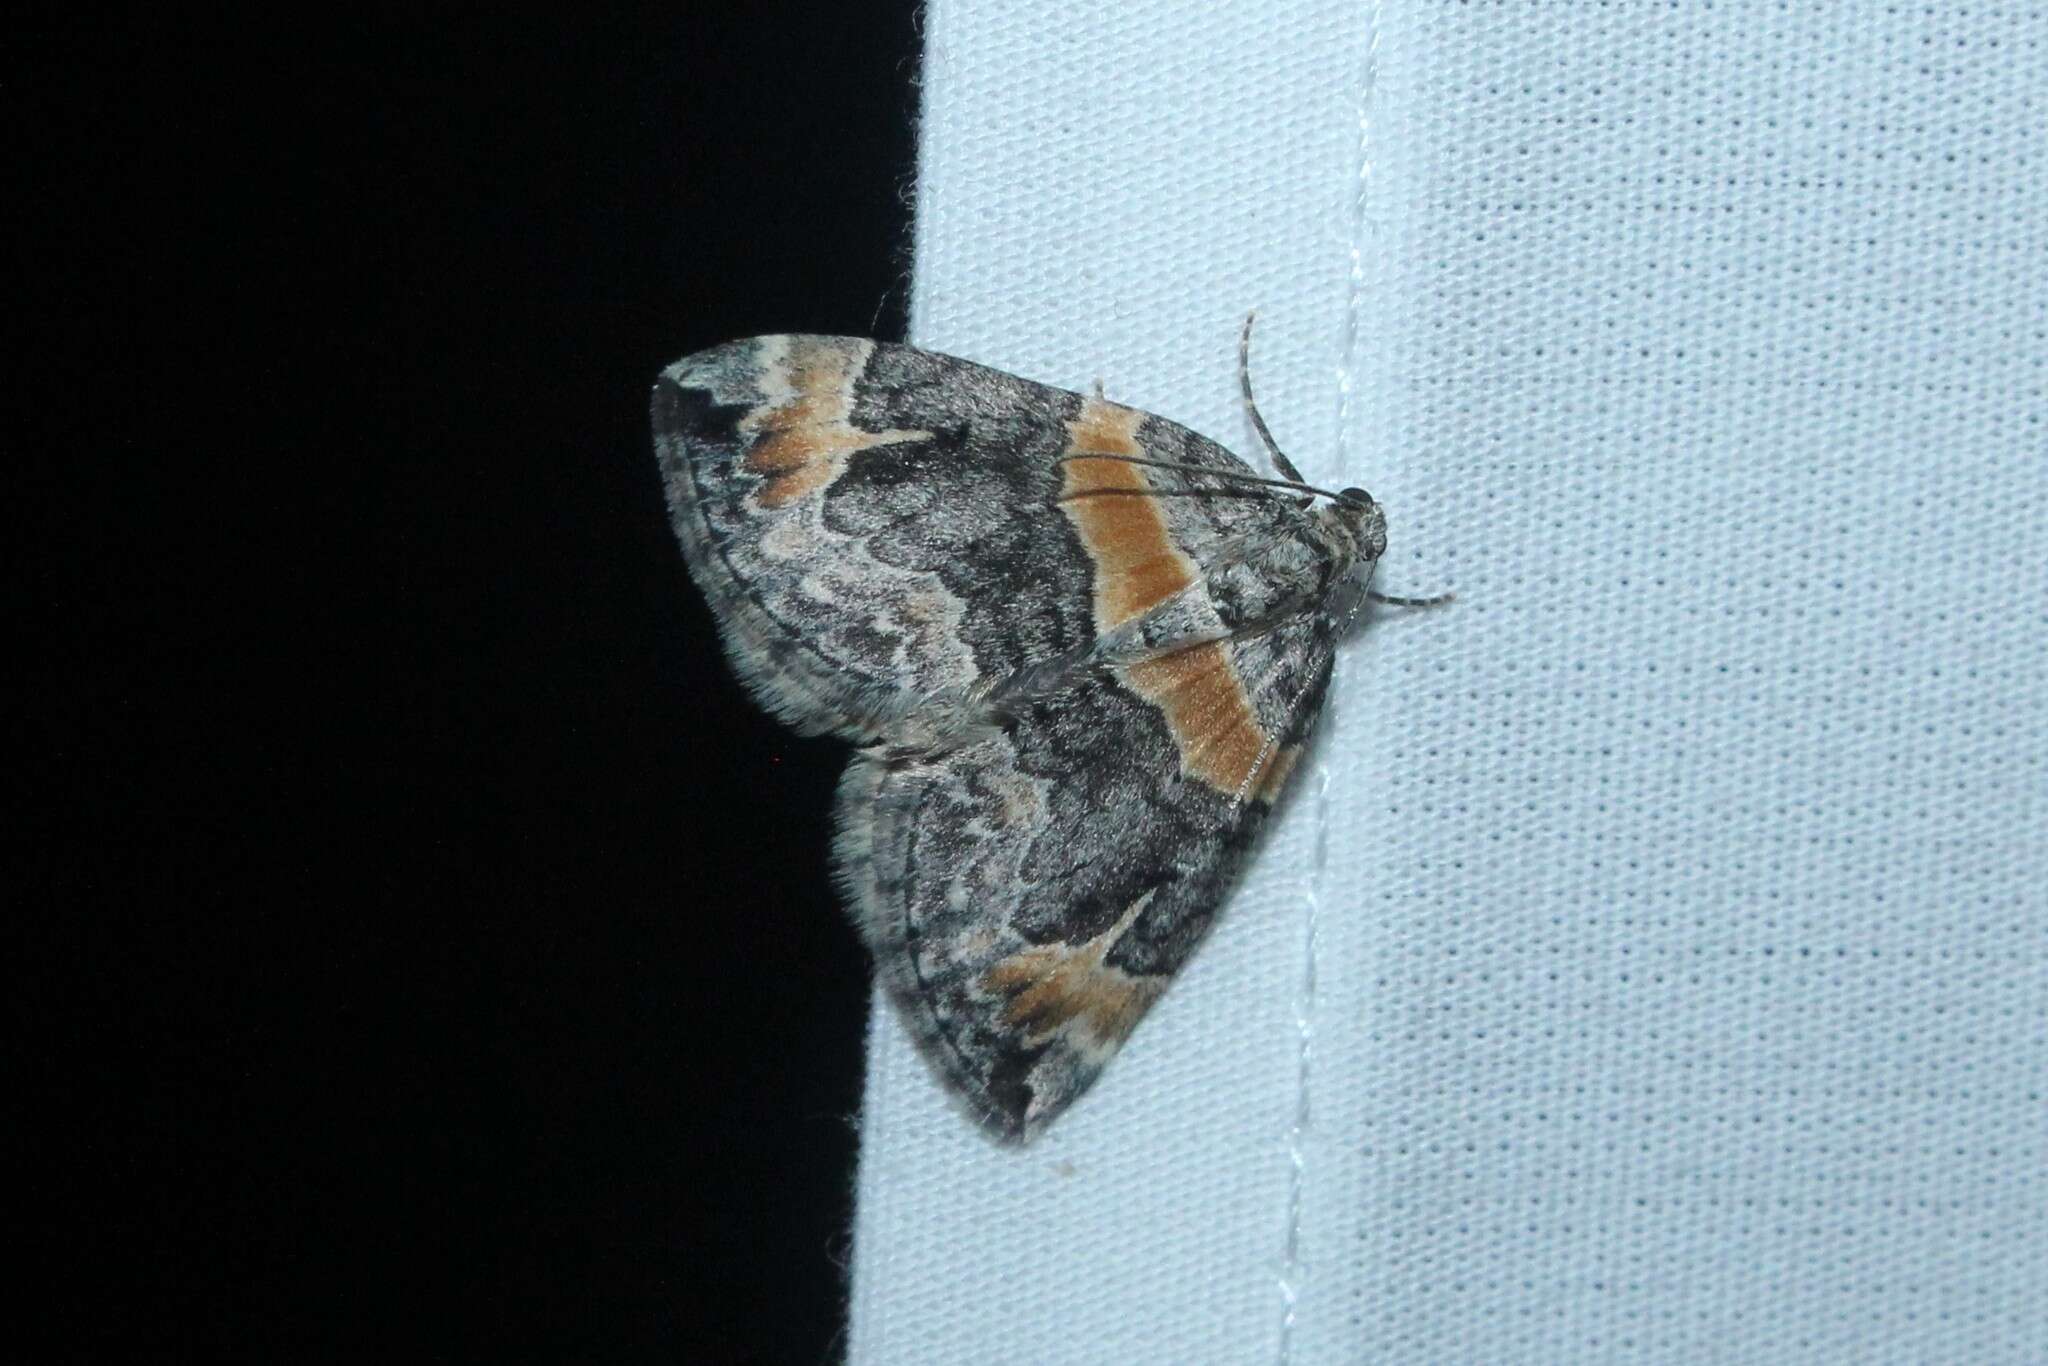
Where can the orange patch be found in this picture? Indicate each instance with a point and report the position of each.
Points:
(800, 442)
(1137, 566)
(1221, 741)
(1056, 985)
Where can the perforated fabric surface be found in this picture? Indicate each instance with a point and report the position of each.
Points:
(1651, 963)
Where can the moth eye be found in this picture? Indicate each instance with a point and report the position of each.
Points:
(1358, 496)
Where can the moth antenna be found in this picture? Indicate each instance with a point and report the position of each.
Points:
(1244, 381)
(1390, 600)
(1163, 493)
(1286, 466)
(1294, 484)
(1393, 600)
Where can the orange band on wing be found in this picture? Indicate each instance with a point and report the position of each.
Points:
(800, 436)
(1137, 567)
(1198, 690)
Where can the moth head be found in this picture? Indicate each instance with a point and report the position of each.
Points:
(1359, 518)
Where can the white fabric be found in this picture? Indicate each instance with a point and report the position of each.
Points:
(1650, 964)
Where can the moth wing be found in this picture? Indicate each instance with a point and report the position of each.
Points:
(878, 527)
(1029, 896)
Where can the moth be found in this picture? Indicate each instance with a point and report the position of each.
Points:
(1078, 647)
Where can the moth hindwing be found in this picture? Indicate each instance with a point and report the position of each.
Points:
(1078, 647)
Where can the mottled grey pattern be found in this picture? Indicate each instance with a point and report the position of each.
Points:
(1072, 711)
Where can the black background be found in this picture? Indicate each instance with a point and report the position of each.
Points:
(430, 950)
